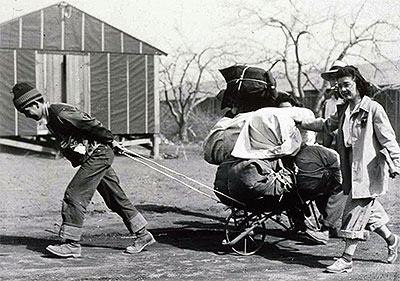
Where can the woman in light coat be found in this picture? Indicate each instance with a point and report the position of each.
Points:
(366, 144)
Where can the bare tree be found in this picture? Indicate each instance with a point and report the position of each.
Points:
(182, 79)
(312, 42)
(360, 35)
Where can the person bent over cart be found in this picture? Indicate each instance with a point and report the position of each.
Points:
(85, 142)
(319, 178)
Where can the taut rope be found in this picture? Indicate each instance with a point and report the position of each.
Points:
(129, 153)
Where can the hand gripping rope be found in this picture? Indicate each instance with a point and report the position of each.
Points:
(143, 160)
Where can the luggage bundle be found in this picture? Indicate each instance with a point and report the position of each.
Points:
(248, 86)
(248, 146)
(253, 179)
(255, 170)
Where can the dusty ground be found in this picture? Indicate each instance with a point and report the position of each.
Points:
(187, 225)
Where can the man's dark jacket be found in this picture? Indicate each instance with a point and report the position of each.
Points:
(72, 128)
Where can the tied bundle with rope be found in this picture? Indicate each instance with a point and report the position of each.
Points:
(253, 179)
(247, 146)
(248, 86)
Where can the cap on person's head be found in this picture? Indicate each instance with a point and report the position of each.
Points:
(328, 75)
(350, 71)
(24, 94)
(248, 88)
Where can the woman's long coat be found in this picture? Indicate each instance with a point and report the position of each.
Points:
(366, 176)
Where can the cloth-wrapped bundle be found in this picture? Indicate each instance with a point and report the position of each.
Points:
(267, 133)
(247, 85)
(247, 149)
(249, 180)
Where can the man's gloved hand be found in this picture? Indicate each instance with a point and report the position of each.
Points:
(117, 147)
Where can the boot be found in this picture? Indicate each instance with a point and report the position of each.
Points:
(142, 240)
(69, 249)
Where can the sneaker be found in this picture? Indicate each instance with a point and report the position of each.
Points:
(339, 266)
(320, 237)
(140, 243)
(66, 250)
(392, 250)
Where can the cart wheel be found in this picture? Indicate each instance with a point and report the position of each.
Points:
(236, 223)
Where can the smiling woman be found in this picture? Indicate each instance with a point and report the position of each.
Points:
(365, 137)
(347, 88)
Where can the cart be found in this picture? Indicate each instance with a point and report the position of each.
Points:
(245, 226)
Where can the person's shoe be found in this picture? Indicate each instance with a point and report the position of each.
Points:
(393, 249)
(340, 266)
(66, 250)
(320, 237)
(140, 242)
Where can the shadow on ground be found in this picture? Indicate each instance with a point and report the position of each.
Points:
(202, 235)
(170, 209)
(32, 243)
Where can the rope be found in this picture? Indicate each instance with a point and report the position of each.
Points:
(162, 172)
(247, 79)
(241, 78)
(177, 173)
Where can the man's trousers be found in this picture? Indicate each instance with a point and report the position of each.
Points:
(96, 174)
(328, 196)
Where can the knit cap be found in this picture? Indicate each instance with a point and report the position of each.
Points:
(24, 94)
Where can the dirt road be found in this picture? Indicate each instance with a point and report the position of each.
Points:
(187, 226)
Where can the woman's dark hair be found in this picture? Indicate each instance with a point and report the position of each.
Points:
(286, 97)
(363, 86)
